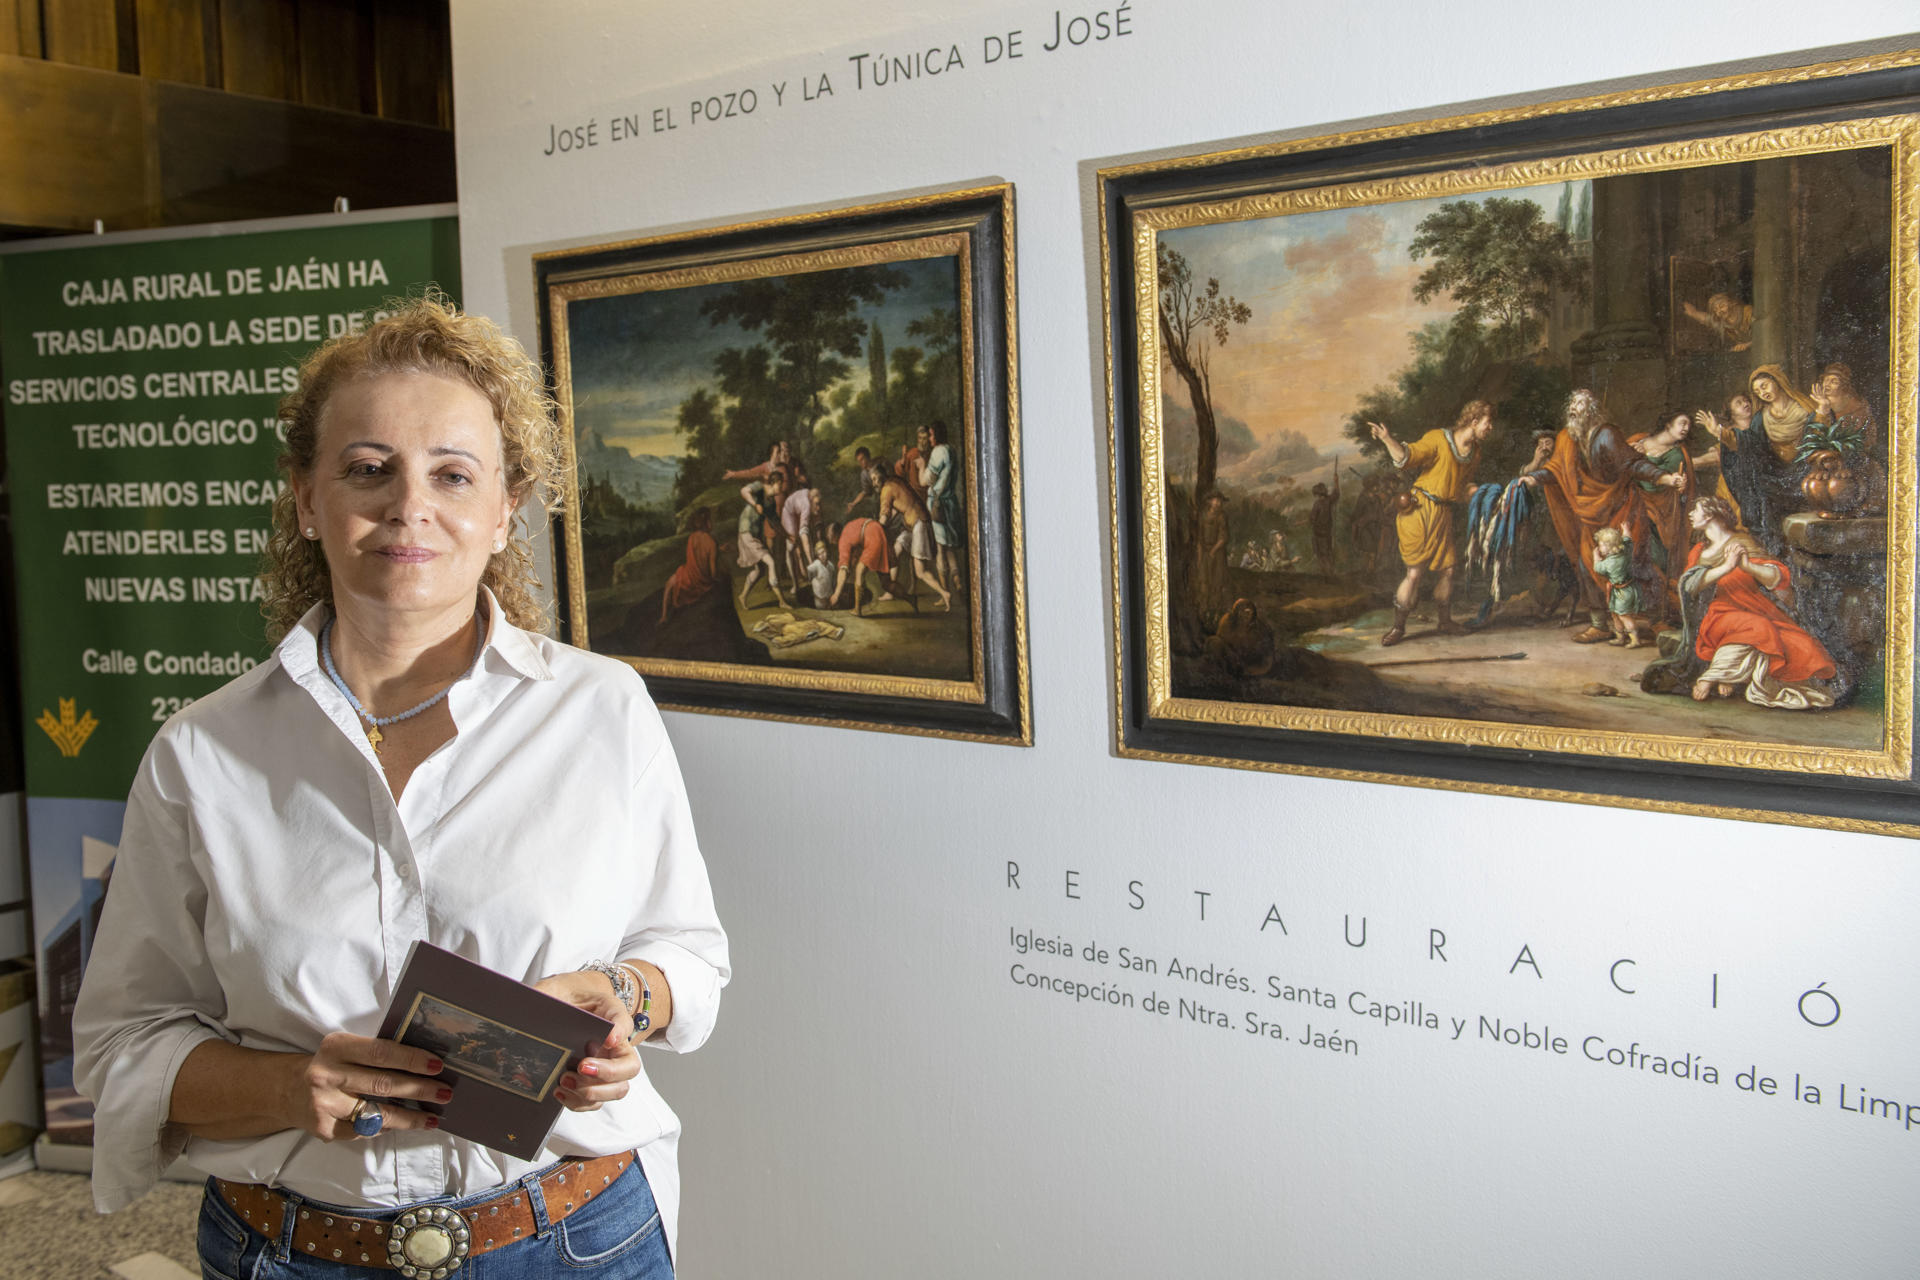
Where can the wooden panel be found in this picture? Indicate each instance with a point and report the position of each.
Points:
(136, 152)
(72, 147)
(33, 31)
(336, 56)
(414, 59)
(173, 39)
(260, 48)
(83, 33)
(20, 27)
(221, 157)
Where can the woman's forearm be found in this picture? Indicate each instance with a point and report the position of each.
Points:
(225, 1091)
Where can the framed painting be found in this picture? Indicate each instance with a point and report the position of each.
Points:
(795, 446)
(1564, 451)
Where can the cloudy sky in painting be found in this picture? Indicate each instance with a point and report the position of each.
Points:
(1333, 306)
(635, 357)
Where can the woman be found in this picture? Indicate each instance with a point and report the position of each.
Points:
(1666, 448)
(413, 762)
(1740, 632)
(1761, 461)
(1838, 404)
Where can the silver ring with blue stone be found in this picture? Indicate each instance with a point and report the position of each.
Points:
(366, 1118)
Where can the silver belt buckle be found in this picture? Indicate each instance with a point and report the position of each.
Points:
(428, 1244)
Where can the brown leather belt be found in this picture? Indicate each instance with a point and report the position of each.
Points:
(426, 1242)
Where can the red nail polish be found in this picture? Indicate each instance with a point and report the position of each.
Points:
(435, 1066)
(443, 1096)
(590, 1068)
(433, 1122)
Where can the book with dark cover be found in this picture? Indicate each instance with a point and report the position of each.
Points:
(504, 1044)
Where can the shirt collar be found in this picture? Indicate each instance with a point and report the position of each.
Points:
(514, 646)
(299, 652)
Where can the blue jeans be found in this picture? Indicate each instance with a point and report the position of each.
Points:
(617, 1237)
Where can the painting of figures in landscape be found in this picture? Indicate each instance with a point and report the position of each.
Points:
(1601, 456)
(795, 451)
(771, 469)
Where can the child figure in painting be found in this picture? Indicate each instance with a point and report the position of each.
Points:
(820, 568)
(1626, 603)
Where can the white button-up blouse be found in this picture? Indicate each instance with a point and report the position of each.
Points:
(268, 888)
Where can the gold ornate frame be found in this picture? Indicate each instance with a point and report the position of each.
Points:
(1867, 103)
(973, 226)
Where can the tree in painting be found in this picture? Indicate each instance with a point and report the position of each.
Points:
(809, 319)
(1500, 261)
(1189, 319)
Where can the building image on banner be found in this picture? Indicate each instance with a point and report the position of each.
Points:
(73, 842)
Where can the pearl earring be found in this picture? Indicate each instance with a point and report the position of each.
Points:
(499, 546)
(311, 532)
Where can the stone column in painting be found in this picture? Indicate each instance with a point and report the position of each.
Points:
(1773, 264)
(1624, 359)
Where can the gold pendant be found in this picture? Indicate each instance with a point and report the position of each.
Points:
(375, 737)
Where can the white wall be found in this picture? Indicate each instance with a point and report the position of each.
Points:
(881, 1100)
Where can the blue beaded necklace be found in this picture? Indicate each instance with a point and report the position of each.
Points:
(376, 723)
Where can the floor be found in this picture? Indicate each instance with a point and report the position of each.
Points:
(49, 1231)
(1533, 674)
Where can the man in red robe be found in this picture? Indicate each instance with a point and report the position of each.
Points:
(701, 571)
(1590, 483)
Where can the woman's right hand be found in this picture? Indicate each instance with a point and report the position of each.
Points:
(347, 1068)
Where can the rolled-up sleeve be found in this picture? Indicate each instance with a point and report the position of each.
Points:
(148, 999)
(675, 927)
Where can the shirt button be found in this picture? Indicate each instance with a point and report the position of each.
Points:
(400, 869)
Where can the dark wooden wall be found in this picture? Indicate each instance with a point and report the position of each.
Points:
(159, 112)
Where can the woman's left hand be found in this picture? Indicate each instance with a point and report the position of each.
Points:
(604, 1077)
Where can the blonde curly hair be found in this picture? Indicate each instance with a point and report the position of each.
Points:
(423, 335)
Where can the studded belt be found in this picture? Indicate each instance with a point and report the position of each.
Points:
(426, 1242)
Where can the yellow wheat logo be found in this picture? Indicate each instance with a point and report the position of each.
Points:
(67, 733)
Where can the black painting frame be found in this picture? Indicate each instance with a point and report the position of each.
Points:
(999, 708)
(1839, 92)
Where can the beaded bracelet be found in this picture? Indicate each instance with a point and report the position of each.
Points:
(643, 1017)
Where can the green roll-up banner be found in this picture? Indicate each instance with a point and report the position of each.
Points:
(142, 378)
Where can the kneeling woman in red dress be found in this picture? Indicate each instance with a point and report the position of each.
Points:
(1737, 601)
